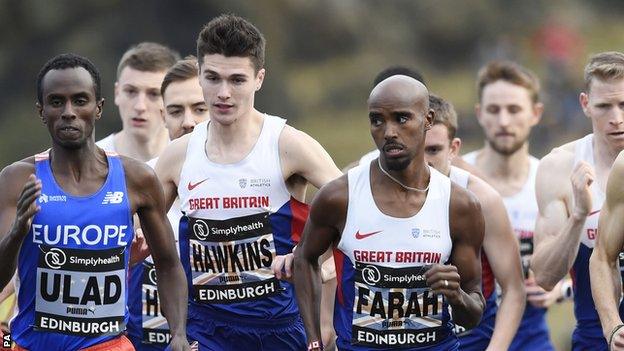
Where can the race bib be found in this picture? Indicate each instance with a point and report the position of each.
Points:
(155, 326)
(231, 259)
(394, 307)
(81, 292)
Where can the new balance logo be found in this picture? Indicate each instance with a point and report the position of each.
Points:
(113, 197)
(43, 198)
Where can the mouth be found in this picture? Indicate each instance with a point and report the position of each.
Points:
(223, 107)
(138, 121)
(505, 135)
(393, 150)
(69, 129)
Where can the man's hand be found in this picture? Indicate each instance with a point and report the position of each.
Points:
(617, 340)
(582, 178)
(282, 266)
(538, 297)
(139, 249)
(444, 279)
(27, 206)
(179, 343)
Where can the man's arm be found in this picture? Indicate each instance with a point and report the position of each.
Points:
(501, 247)
(18, 205)
(304, 156)
(605, 277)
(169, 166)
(460, 282)
(557, 230)
(327, 216)
(150, 207)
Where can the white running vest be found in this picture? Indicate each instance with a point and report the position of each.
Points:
(521, 209)
(385, 301)
(239, 220)
(459, 176)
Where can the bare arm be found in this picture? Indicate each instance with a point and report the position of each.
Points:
(463, 289)
(304, 156)
(605, 277)
(150, 207)
(501, 247)
(18, 205)
(558, 230)
(168, 168)
(322, 229)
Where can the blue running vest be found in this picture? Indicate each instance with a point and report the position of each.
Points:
(73, 265)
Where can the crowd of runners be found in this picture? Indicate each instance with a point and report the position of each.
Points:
(188, 228)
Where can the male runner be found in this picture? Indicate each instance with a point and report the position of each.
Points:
(498, 325)
(394, 224)
(140, 73)
(66, 224)
(570, 189)
(240, 178)
(508, 108)
(606, 282)
(137, 95)
(184, 108)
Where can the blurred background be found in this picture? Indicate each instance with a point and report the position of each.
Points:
(321, 59)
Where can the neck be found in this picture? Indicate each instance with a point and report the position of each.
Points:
(416, 175)
(506, 167)
(75, 161)
(224, 136)
(604, 154)
(141, 149)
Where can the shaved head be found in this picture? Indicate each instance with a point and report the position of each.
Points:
(398, 109)
(400, 90)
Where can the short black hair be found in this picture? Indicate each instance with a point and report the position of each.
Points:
(398, 70)
(231, 35)
(64, 61)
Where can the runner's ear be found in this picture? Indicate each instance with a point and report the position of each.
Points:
(40, 112)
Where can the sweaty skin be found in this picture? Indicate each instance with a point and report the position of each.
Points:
(398, 111)
(80, 168)
(606, 281)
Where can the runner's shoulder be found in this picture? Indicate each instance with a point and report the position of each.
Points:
(293, 140)
(14, 176)
(558, 162)
(464, 203)
(175, 151)
(138, 174)
(484, 192)
(333, 197)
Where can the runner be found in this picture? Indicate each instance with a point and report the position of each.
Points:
(66, 222)
(140, 73)
(184, 108)
(498, 325)
(570, 189)
(394, 289)
(508, 108)
(137, 95)
(241, 179)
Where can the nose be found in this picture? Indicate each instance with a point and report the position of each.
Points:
(139, 103)
(618, 118)
(390, 131)
(188, 122)
(504, 118)
(68, 111)
(224, 91)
